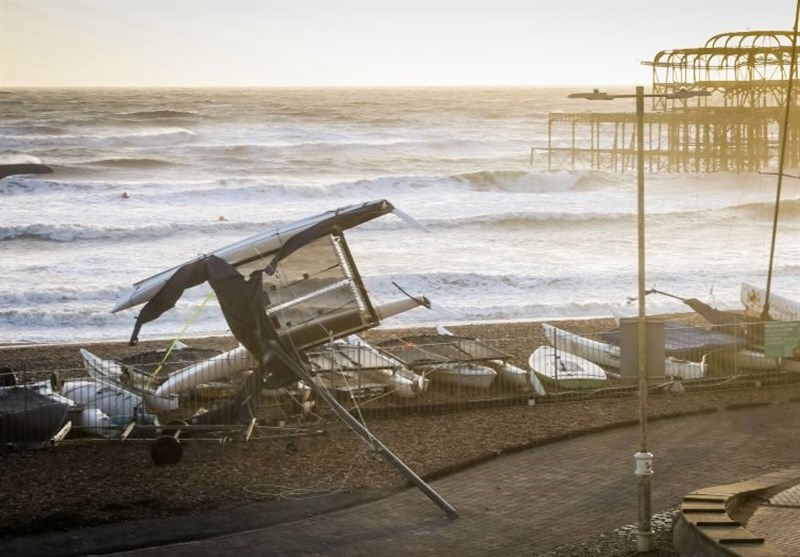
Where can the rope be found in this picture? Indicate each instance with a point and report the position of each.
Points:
(176, 340)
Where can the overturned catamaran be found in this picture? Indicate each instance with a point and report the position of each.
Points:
(283, 292)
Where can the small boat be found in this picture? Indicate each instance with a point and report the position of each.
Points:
(608, 355)
(362, 364)
(112, 372)
(565, 369)
(461, 374)
(106, 407)
(755, 360)
(790, 364)
(379, 366)
(29, 419)
(781, 308)
(685, 369)
(595, 351)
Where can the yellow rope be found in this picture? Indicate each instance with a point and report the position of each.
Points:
(176, 340)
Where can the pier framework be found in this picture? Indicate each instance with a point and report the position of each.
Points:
(737, 128)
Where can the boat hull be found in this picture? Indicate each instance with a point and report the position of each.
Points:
(461, 374)
(781, 308)
(29, 419)
(565, 369)
(600, 353)
(112, 373)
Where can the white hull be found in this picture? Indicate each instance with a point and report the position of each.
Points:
(516, 376)
(754, 360)
(566, 369)
(598, 352)
(255, 247)
(781, 308)
(95, 422)
(109, 399)
(790, 364)
(461, 374)
(685, 369)
(609, 355)
(218, 367)
(112, 372)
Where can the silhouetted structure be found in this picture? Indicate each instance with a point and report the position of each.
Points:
(736, 128)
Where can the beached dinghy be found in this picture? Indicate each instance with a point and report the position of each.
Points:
(755, 360)
(565, 369)
(608, 354)
(595, 351)
(119, 405)
(507, 372)
(356, 355)
(460, 374)
(112, 372)
(444, 356)
(685, 369)
(781, 308)
(28, 418)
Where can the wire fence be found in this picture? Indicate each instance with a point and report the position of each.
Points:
(214, 392)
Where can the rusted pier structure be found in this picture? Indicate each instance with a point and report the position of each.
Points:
(737, 128)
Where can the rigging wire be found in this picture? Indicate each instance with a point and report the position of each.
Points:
(784, 134)
(176, 340)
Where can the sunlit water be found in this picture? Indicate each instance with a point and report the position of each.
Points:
(506, 240)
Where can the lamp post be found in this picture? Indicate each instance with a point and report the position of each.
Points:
(643, 459)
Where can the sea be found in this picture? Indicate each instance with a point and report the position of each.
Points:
(146, 179)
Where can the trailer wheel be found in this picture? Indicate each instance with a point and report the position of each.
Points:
(166, 450)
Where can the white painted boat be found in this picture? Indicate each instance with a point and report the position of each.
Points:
(110, 399)
(460, 374)
(781, 308)
(609, 355)
(261, 245)
(685, 369)
(110, 371)
(595, 351)
(565, 369)
(516, 376)
(94, 421)
(86, 419)
(755, 360)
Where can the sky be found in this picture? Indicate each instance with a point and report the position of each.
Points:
(233, 43)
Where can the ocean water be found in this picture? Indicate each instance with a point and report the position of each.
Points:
(147, 179)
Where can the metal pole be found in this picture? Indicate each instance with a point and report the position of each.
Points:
(643, 459)
(363, 432)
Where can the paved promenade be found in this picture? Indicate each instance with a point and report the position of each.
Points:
(525, 503)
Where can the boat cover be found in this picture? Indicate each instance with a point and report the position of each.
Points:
(684, 341)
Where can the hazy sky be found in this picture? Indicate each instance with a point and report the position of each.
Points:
(427, 42)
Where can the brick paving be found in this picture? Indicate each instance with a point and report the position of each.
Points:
(778, 521)
(527, 503)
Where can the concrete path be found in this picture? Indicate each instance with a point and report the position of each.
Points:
(530, 502)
